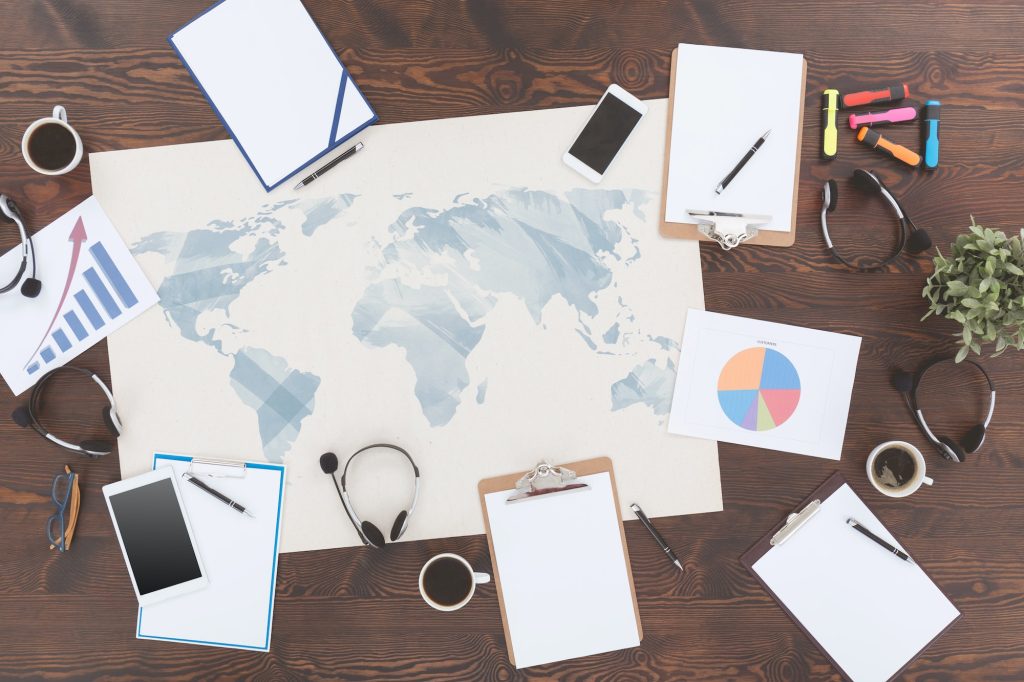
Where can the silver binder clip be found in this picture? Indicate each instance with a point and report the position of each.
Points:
(795, 521)
(216, 468)
(545, 479)
(729, 229)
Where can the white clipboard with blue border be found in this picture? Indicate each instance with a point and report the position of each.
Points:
(239, 553)
(275, 83)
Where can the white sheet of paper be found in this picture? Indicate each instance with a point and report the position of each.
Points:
(764, 384)
(869, 610)
(725, 99)
(563, 574)
(240, 556)
(275, 82)
(92, 286)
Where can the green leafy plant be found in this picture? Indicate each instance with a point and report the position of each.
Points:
(981, 286)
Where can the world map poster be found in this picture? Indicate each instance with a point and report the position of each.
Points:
(452, 289)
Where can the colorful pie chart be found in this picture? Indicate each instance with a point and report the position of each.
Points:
(759, 389)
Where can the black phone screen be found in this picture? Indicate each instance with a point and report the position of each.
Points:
(604, 133)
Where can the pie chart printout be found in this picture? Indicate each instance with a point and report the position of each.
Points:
(758, 389)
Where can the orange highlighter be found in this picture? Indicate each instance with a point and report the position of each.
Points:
(896, 151)
(893, 93)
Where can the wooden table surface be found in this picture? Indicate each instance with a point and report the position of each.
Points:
(355, 613)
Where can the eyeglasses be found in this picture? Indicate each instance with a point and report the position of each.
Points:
(65, 490)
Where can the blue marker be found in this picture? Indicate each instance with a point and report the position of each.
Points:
(930, 121)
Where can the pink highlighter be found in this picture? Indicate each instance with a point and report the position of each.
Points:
(899, 115)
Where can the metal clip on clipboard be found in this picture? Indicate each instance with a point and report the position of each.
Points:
(545, 479)
(729, 229)
(795, 522)
(216, 468)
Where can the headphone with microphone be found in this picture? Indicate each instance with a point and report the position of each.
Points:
(27, 416)
(907, 384)
(911, 237)
(31, 287)
(369, 533)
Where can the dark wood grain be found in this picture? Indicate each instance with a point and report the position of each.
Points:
(355, 614)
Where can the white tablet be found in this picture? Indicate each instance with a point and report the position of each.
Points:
(156, 538)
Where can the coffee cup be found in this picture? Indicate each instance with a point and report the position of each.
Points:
(51, 146)
(897, 469)
(448, 582)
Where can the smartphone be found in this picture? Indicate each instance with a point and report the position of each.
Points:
(616, 115)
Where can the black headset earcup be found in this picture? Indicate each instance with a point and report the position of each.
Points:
(867, 181)
(21, 416)
(98, 446)
(108, 419)
(956, 453)
(399, 527)
(918, 241)
(31, 287)
(903, 381)
(373, 534)
(831, 195)
(972, 440)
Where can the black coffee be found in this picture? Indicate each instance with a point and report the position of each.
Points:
(51, 146)
(447, 581)
(895, 467)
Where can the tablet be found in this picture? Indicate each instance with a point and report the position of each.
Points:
(155, 535)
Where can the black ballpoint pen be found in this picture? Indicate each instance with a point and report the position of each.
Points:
(329, 165)
(743, 162)
(657, 536)
(220, 496)
(856, 526)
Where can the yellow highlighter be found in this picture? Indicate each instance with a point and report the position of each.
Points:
(830, 141)
(896, 151)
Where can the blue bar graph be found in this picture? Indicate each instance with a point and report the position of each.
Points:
(47, 354)
(33, 368)
(62, 340)
(106, 263)
(89, 309)
(75, 325)
(100, 289)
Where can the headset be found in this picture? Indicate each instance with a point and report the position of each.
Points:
(31, 287)
(369, 533)
(907, 384)
(911, 238)
(26, 416)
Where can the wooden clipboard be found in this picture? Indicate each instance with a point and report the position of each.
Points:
(689, 230)
(597, 465)
(822, 493)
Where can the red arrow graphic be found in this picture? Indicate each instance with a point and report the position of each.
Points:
(77, 237)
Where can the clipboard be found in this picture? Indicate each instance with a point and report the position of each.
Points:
(581, 469)
(806, 513)
(691, 230)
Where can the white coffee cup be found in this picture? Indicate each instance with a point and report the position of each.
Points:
(59, 117)
(908, 488)
(474, 580)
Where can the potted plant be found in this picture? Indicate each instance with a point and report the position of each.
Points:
(981, 286)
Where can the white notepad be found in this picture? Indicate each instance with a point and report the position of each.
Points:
(240, 556)
(725, 99)
(563, 573)
(870, 611)
(274, 81)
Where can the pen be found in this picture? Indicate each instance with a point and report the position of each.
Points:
(743, 162)
(657, 536)
(329, 165)
(220, 496)
(857, 527)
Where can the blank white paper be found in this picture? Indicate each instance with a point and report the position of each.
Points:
(725, 99)
(239, 554)
(871, 611)
(275, 82)
(563, 573)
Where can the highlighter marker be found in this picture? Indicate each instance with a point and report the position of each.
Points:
(893, 93)
(930, 131)
(830, 136)
(878, 118)
(896, 151)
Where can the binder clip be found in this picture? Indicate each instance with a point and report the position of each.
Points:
(795, 522)
(216, 468)
(729, 229)
(545, 479)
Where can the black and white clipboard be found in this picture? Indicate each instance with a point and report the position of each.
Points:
(870, 612)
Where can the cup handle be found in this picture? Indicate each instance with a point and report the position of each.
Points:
(61, 113)
(927, 480)
(481, 578)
